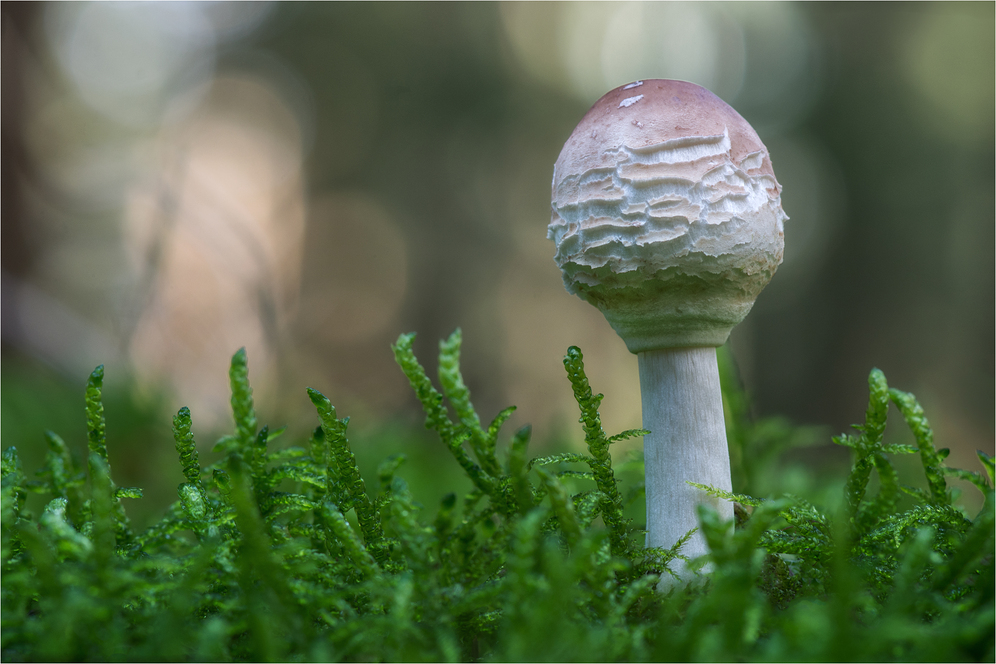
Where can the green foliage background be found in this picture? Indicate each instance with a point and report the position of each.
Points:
(286, 554)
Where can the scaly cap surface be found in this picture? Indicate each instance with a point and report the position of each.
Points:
(666, 214)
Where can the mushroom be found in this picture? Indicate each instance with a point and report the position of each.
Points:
(667, 216)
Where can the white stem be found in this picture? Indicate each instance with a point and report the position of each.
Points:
(683, 410)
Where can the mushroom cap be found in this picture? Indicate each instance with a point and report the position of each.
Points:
(666, 214)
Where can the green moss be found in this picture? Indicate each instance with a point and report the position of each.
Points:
(260, 559)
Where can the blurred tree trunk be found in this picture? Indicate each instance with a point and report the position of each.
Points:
(17, 252)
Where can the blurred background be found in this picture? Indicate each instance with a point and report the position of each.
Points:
(309, 180)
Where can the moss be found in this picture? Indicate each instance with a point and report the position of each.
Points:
(539, 561)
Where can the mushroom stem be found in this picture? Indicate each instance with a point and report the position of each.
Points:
(683, 410)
